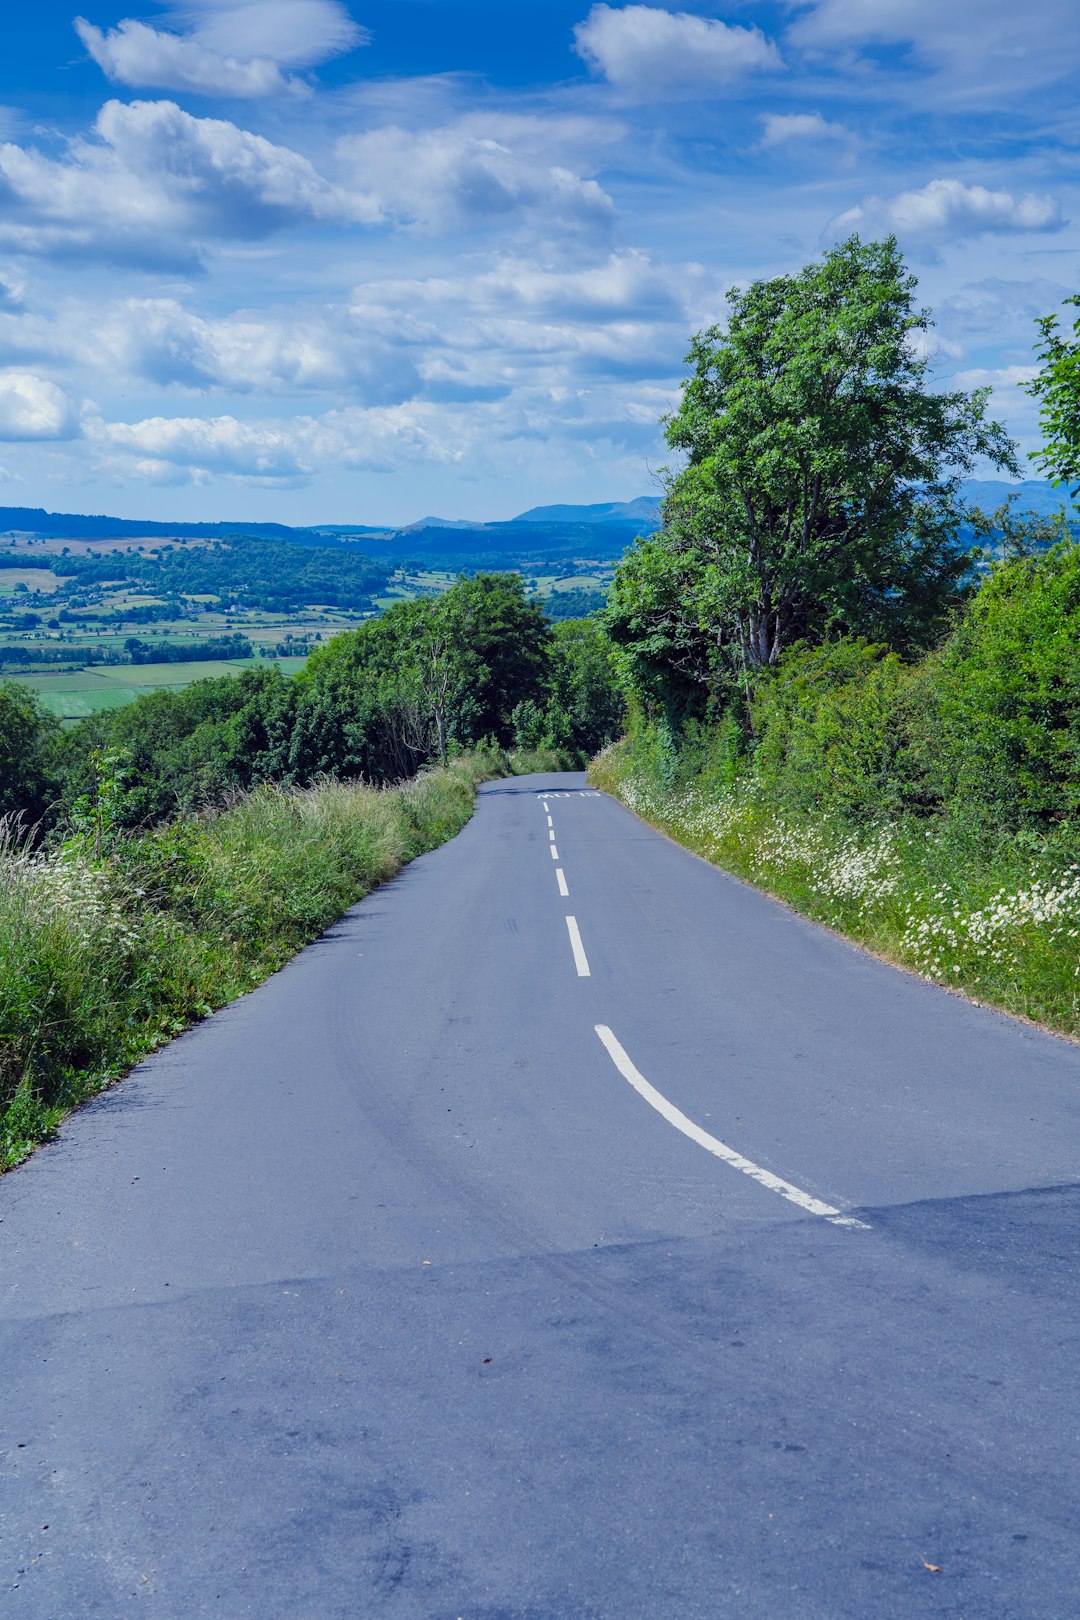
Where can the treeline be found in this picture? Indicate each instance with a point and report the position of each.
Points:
(214, 649)
(135, 651)
(21, 654)
(257, 572)
(831, 692)
(425, 681)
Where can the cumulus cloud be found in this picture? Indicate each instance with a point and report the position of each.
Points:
(778, 129)
(452, 177)
(945, 210)
(649, 52)
(479, 434)
(522, 328)
(489, 366)
(267, 352)
(213, 56)
(32, 407)
(154, 182)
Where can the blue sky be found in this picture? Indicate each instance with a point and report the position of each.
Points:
(312, 261)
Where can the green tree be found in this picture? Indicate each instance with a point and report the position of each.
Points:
(1057, 387)
(586, 702)
(820, 493)
(999, 723)
(28, 737)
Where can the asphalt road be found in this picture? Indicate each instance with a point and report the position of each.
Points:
(396, 1289)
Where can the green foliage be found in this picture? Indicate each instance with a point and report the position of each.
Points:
(930, 808)
(965, 902)
(189, 747)
(430, 675)
(1006, 532)
(276, 575)
(213, 650)
(1057, 387)
(999, 719)
(821, 490)
(28, 740)
(832, 730)
(421, 683)
(112, 944)
(577, 603)
(585, 702)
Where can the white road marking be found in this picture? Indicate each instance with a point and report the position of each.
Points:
(551, 836)
(554, 852)
(545, 804)
(550, 822)
(711, 1144)
(581, 961)
(560, 879)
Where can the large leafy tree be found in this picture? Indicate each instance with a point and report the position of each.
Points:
(1057, 387)
(820, 488)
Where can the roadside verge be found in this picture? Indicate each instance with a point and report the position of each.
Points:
(995, 917)
(111, 946)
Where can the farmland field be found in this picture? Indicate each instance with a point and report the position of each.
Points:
(74, 693)
(35, 579)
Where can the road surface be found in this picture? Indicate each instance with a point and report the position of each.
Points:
(571, 1232)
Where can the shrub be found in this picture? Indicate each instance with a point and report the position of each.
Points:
(113, 942)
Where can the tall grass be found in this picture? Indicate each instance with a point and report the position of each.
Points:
(110, 946)
(991, 911)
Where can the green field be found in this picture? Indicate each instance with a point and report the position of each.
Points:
(35, 580)
(72, 694)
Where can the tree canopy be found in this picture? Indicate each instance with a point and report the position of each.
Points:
(819, 492)
(1057, 387)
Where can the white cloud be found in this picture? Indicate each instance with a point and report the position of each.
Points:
(982, 47)
(930, 345)
(443, 179)
(154, 183)
(945, 210)
(651, 52)
(494, 364)
(160, 341)
(12, 290)
(780, 128)
(34, 408)
(213, 56)
(477, 435)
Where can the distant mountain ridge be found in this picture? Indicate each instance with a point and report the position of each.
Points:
(642, 509)
(604, 527)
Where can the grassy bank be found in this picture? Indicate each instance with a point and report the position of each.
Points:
(111, 944)
(983, 909)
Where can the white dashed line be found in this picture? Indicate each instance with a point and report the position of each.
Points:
(581, 961)
(550, 822)
(551, 836)
(554, 852)
(561, 881)
(712, 1144)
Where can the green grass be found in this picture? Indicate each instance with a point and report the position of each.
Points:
(40, 580)
(982, 909)
(72, 694)
(110, 947)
